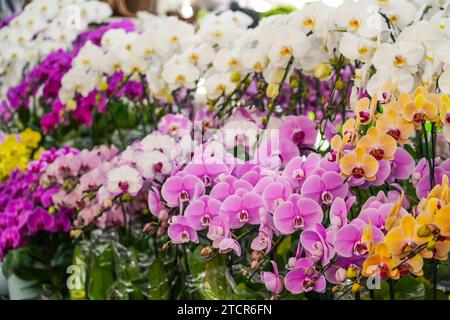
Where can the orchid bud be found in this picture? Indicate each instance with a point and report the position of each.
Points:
(206, 252)
(322, 71)
(256, 255)
(161, 231)
(51, 210)
(339, 85)
(166, 246)
(431, 245)
(352, 272)
(264, 121)
(341, 275)
(272, 90)
(245, 272)
(150, 227)
(355, 288)
(75, 233)
(235, 77)
(424, 231)
(255, 265)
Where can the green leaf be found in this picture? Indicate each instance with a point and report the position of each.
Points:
(158, 281)
(100, 283)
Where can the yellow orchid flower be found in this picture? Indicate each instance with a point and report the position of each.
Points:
(393, 123)
(379, 144)
(30, 138)
(365, 109)
(444, 115)
(393, 219)
(381, 262)
(404, 238)
(338, 144)
(419, 110)
(359, 164)
(351, 127)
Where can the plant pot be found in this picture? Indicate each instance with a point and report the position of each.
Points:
(3, 283)
(20, 289)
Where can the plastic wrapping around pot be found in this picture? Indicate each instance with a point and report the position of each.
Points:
(20, 289)
(3, 283)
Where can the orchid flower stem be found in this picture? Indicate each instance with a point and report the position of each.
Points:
(391, 289)
(428, 156)
(434, 264)
(283, 79)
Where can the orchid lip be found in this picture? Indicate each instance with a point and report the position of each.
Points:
(205, 220)
(243, 216)
(299, 222)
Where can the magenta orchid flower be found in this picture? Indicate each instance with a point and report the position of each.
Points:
(218, 229)
(200, 212)
(324, 188)
(242, 208)
(206, 168)
(297, 214)
(181, 232)
(272, 280)
(347, 241)
(339, 211)
(181, 188)
(274, 191)
(228, 186)
(304, 278)
(298, 169)
(316, 244)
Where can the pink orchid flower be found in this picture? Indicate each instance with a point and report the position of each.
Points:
(181, 188)
(347, 241)
(200, 212)
(304, 278)
(181, 232)
(242, 208)
(272, 280)
(324, 188)
(298, 169)
(316, 244)
(297, 213)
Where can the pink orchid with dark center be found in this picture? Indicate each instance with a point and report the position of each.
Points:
(297, 214)
(181, 188)
(299, 169)
(181, 232)
(242, 208)
(304, 278)
(324, 188)
(316, 244)
(347, 241)
(200, 212)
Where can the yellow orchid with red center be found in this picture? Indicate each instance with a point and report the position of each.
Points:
(404, 239)
(337, 146)
(381, 262)
(359, 164)
(379, 144)
(392, 123)
(395, 215)
(351, 128)
(444, 115)
(365, 109)
(419, 110)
